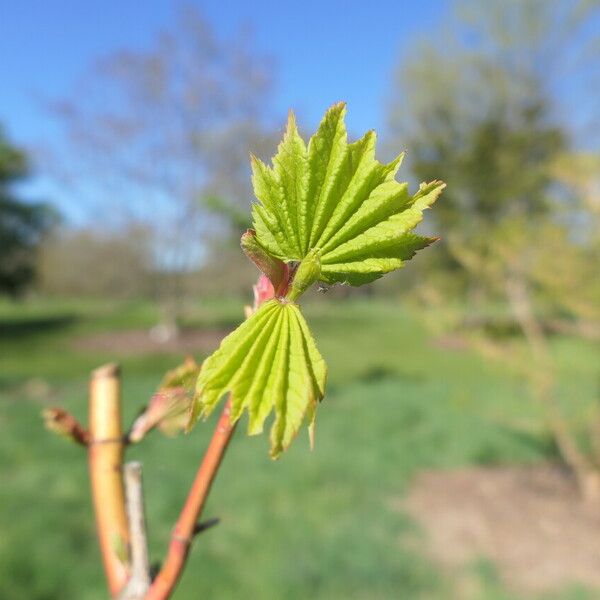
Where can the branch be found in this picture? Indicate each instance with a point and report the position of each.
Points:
(185, 528)
(204, 525)
(139, 581)
(105, 465)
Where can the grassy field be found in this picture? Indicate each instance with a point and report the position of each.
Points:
(320, 525)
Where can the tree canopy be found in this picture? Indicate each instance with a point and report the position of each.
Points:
(21, 223)
(484, 108)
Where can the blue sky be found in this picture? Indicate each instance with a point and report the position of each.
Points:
(45, 46)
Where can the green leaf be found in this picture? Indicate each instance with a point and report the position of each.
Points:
(290, 170)
(269, 363)
(335, 200)
(274, 214)
(330, 170)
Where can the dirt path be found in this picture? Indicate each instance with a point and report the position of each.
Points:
(140, 341)
(529, 521)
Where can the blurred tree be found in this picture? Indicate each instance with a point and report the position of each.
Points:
(156, 136)
(118, 262)
(491, 110)
(488, 112)
(21, 223)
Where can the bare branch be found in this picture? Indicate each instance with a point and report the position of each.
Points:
(105, 465)
(139, 580)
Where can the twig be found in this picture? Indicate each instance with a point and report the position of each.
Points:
(139, 580)
(164, 584)
(204, 525)
(105, 466)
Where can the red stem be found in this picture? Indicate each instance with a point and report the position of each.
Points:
(164, 584)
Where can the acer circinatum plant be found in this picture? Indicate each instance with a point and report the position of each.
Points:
(327, 211)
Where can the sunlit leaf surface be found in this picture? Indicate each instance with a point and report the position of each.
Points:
(268, 364)
(335, 198)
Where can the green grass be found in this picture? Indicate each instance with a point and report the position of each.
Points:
(320, 525)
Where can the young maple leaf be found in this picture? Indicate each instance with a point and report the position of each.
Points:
(328, 211)
(336, 199)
